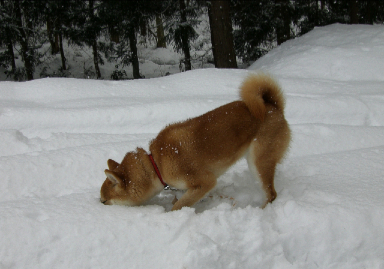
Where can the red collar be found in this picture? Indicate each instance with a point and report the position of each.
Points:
(157, 170)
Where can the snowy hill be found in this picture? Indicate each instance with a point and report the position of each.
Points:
(57, 134)
(339, 52)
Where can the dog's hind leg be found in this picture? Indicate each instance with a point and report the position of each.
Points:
(267, 174)
(203, 183)
(262, 165)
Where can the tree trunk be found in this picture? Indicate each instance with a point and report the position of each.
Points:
(134, 58)
(9, 43)
(94, 43)
(143, 27)
(63, 65)
(59, 42)
(25, 53)
(317, 15)
(52, 36)
(96, 58)
(57, 45)
(353, 12)
(221, 35)
(114, 34)
(160, 33)
(370, 6)
(368, 15)
(10, 51)
(283, 31)
(143, 30)
(184, 37)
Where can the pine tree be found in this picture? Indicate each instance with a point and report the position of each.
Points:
(28, 23)
(283, 11)
(221, 34)
(160, 32)
(371, 11)
(353, 12)
(86, 27)
(127, 17)
(58, 18)
(181, 18)
(94, 32)
(254, 31)
(6, 21)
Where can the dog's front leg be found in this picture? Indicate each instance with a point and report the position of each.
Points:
(195, 193)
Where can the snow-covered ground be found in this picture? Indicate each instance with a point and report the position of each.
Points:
(57, 134)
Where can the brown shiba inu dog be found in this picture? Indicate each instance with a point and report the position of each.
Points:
(191, 155)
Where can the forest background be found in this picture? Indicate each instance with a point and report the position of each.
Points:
(31, 32)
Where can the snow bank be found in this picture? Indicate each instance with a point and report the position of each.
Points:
(57, 134)
(339, 52)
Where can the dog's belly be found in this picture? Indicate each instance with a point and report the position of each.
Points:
(178, 184)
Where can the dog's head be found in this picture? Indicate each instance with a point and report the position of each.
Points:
(127, 183)
(114, 191)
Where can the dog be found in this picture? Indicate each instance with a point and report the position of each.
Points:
(192, 154)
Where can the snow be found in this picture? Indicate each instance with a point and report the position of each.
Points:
(56, 135)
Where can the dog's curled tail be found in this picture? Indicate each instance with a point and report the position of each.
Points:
(259, 89)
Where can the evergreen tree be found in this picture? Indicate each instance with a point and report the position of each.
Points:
(371, 11)
(181, 18)
(353, 12)
(254, 30)
(283, 18)
(28, 32)
(6, 38)
(126, 18)
(221, 34)
(58, 18)
(93, 32)
(160, 32)
(310, 13)
(85, 28)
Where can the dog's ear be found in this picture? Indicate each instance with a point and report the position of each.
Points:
(113, 177)
(112, 164)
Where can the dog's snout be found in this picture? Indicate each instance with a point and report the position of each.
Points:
(106, 202)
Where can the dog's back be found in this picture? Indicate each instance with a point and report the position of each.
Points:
(195, 152)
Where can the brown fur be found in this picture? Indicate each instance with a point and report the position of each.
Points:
(192, 154)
